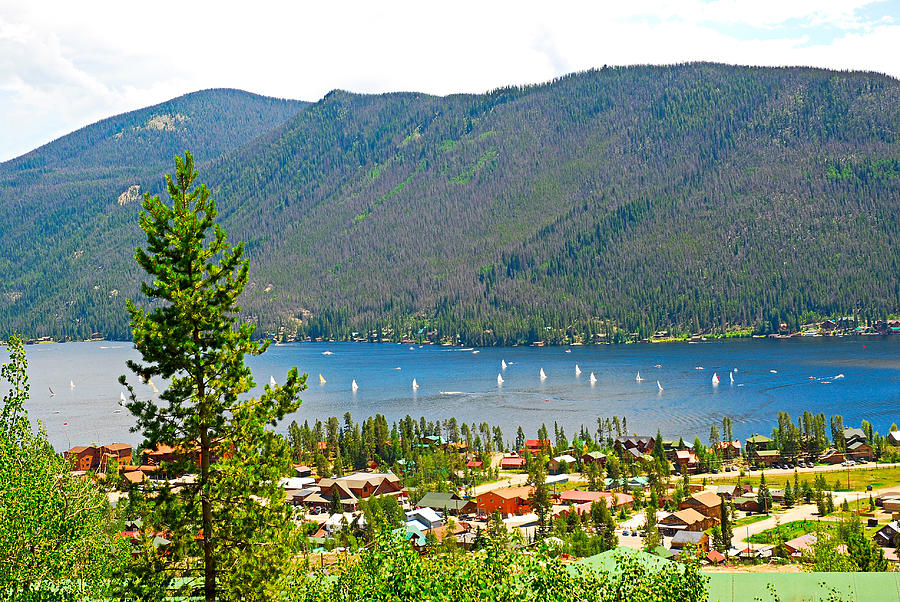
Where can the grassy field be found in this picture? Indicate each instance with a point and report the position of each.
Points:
(789, 531)
(748, 520)
(859, 478)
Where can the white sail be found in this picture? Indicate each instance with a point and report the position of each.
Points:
(121, 398)
(354, 386)
(499, 379)
(52, 394)
(731, 376)
(639, 378)
(152, 386)
(659, 385)
(715, 379)
(322, 380)
(272, 382)
(415, 385)
(72, 385)
(577, 370)
(593, 378)
(543, 375)
(327, 353)
(503, 364)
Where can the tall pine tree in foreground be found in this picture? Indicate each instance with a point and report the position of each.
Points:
(223, 524)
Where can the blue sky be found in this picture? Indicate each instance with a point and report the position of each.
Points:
(66, 64)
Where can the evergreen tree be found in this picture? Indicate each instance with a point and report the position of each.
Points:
(188, 337)
(540, 496)
(725, 524)
(788, 495)
(763, 496)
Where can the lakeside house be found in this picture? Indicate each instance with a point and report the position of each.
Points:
(705, 502)
(642, 443)
(508, 500)
(685, 520)
(97, 458)
(448, 502)
(512, 463)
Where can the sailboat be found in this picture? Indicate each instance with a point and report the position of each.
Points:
(503, 364)
(543, 375)
(121, 398)
(715, 379)
(593, 378)
(639, 378)
(272, 382)
(152, 386)
(415, 385)
(322, 380)
(52, 394)
(499, 379)
(731, 376)
(71, 385)
(354, 386)
(577, 370)
(660, 386)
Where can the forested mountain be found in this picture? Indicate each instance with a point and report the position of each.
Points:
(68, 209)
(681, 197)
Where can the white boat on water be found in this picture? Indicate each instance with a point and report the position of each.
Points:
(731, 376)
(838, 377)
(353, 386)
(327, 353)
(593, 378)
(52, 393)
(639, 378)
(415, 385)
(660, 386)
(71, 385)
(272, 382)
(503, 364)
(577, 370)
(121, 398)
(774, 371)
(543, 375)
(715, 379)
(322, 380)
(499, 379)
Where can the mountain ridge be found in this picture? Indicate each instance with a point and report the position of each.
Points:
(639, 198)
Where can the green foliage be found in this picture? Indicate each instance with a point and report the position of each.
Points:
(392, 571)
(56, 534)
(693, 197)
(233, 515)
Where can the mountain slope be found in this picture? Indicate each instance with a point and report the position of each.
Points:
(679, 197)
(68, 209)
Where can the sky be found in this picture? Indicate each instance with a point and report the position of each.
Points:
(65, 64)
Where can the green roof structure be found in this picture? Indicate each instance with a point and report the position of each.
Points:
(797, 587)
(608, 561)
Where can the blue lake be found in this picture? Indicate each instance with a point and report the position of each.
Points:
(462, 383)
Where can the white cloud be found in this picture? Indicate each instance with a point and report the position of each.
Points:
(65, 64)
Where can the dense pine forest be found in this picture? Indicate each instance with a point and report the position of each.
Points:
(619, 200)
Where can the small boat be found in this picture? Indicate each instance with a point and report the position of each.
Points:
(353, 386)
(322, 380)
(117, 411)
(411, 348)
(698, 368)
(735, 370)
(52, 394)
(415, 385)
(568, 351)
(71, 385)
(327, 353)
(659, 386)
(658, 366)
(715, 379)
(812, 378)
(503, 364)
(272, 382)
(121, 398)
(56, 411)
(398, 368)
(476, 351)
(543, 375)
(639, 378)
(774, 371)
(731, 376)
(577, 370)
(838, 377)
(499, 379)
(593, 378)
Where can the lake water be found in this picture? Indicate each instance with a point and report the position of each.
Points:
(460, 383)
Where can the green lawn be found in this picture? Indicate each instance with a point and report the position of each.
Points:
(748, 520)
(859, 478)
(790, 530)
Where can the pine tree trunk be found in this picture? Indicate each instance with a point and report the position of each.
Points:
(209, 561)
